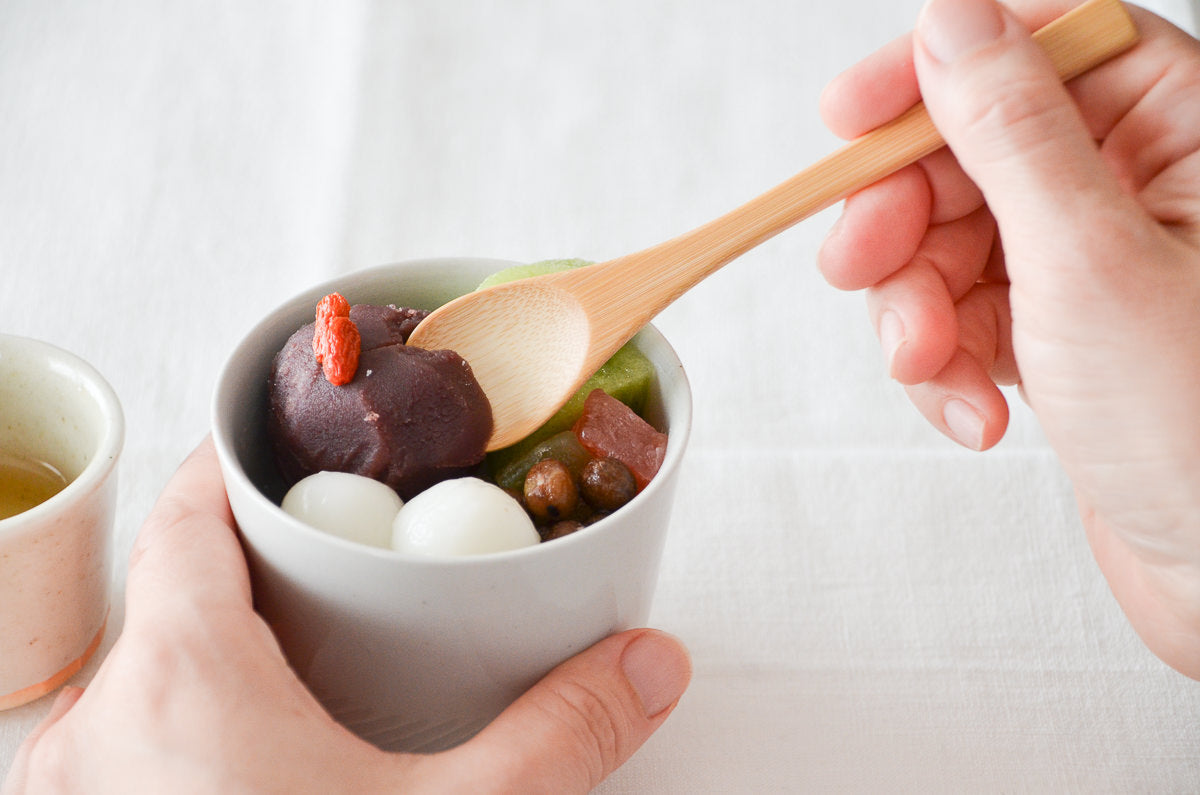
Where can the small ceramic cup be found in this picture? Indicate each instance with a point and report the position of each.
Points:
(419, 653)
(55, 558)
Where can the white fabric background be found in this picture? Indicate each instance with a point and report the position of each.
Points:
(869, 607)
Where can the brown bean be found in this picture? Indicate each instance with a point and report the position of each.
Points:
(550, 491)
(560, 529)
(607, 484)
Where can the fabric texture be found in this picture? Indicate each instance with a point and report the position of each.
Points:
(869, 607)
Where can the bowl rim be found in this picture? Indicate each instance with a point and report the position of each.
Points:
(109, 445)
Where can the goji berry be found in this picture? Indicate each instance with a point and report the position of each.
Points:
(342, 347)
(331, 306)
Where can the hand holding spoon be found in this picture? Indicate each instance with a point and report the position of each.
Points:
(532, 343)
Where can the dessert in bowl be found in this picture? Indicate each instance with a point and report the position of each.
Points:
(419, 651)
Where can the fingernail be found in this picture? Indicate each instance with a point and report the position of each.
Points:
(834, 230)
(658, 668)
(950, 29)
(891, 337)
(964, 422)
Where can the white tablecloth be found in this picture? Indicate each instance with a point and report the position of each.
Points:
(869, 607)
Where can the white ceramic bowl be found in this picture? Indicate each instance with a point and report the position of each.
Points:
(416, 653)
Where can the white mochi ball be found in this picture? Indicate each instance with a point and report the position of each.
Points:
(464, 516)
(353, 507)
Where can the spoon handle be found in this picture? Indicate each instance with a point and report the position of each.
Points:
(1077, 41)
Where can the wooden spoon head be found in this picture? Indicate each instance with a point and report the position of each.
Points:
(527, 343)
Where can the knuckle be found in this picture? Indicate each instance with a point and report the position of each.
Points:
(1017, 117)
(983, 324)
(596, 724)
(169, 512)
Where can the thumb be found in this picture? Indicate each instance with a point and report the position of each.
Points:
(582, 721)
(1002, 109)
(17, 781)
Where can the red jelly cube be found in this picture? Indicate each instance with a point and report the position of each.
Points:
(607, 427)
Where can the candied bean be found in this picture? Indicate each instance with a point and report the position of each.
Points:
(607, 484)
(584, 513)
(560, 529)
(550, 491)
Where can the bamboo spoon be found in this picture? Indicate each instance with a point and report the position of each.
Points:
(532, 343)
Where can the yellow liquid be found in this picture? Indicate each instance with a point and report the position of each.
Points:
(25, 483)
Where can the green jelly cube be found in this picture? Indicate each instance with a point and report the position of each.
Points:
(564, 447)
(627, 376)
(514, 272)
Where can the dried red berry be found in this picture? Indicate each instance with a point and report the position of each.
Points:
(342, 347)
(331, 306)
(608, 428)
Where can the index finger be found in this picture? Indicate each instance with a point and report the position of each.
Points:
(187, 548)
(873, 91)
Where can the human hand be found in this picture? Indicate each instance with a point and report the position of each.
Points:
(196, 696)
(1058, 247)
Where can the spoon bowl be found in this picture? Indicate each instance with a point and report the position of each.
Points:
(554, 333)
(532, 343)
